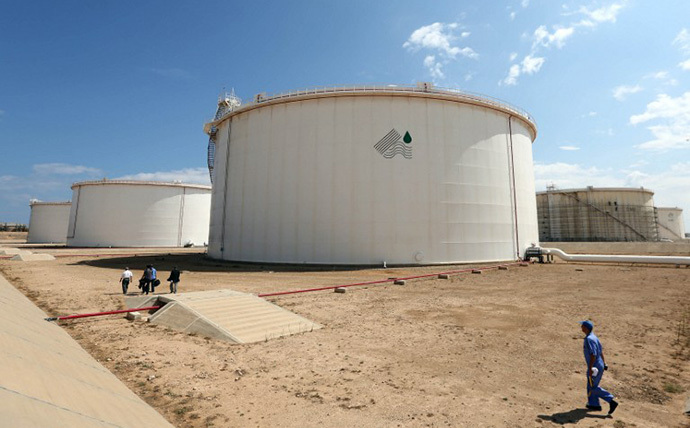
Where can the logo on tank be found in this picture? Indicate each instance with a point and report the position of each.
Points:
(393, 144)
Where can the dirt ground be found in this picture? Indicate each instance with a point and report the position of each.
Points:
(497, 349)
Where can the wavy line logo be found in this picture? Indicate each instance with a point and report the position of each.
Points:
(393, 144)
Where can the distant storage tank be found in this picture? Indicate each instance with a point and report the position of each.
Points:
(48, 222)
(138, 214)
(597, 214)
(367, 174)
(671, 224)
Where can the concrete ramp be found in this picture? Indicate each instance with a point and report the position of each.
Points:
(224, 314)
(30, 257)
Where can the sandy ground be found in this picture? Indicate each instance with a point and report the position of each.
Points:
(9, 238)
(499, 349)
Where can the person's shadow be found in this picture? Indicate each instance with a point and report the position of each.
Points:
(571, 417)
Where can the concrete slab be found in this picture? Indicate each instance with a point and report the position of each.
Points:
(226, 315)
(13, 251)
(48, 380)
(32, 257)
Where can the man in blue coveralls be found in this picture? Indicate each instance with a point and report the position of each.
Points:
(594, 357)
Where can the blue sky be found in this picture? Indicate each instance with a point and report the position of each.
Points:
(121, 89)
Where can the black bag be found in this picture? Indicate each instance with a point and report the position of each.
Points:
(156, 282)
(142, 281)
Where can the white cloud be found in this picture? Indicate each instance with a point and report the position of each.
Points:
(671, 187)
(529, 65)
(512, 16)
(621, 92)
(513, 74)
(438, 38)
(685, 65)
(524, 3)
(672, 116)
(187, 175)
(513, 55)
(603, 14)
(435, 68)
(682, 41)
(591, 114)
(64, 169)
(568, 176)
(662, 75)
(569, 148)
(542, 37)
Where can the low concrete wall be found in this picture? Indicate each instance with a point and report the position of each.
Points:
(636, 248)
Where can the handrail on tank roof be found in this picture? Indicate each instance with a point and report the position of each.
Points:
(420, 88)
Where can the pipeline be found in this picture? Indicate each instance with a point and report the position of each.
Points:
(383, 281)
(605, 258)
(98, 314)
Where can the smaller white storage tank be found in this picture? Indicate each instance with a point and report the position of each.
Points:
(597, 214)
(670, 221)
(119, 213)
(48, 222)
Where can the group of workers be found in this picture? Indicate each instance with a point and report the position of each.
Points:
(149, 280)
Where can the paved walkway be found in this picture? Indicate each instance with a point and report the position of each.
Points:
(48, 380)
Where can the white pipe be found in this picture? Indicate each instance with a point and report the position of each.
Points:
(615, 258)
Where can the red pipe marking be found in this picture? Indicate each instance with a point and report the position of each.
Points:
(281, 293)
(97, 314)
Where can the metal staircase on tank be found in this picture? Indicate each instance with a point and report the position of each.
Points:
(227, 102)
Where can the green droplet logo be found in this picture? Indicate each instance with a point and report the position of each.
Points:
(407, 138)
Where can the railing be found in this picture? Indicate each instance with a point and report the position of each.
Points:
(428, 89)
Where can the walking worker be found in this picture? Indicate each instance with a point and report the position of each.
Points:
(174, 278)
(125, 279)
(147, 279)
(154, 280)
(596, 364)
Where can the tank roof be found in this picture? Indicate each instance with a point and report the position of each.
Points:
(36, 202)
(421, 90)
(598, 189)
(139, 183)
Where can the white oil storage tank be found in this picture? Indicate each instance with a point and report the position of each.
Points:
(597, 214)
(670, 222)
(48, 222)
(367, 174)
(120, 213)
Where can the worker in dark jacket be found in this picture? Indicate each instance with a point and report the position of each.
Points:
(174, 278)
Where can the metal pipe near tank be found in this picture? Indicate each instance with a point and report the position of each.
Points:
(606, 258)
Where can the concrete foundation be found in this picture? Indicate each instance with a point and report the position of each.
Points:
(223, 314)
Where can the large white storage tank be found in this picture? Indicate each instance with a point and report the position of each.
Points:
(116, 213)
(597, 214)
(362, 175)
(671, 224)
(48, 222)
